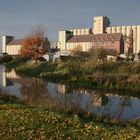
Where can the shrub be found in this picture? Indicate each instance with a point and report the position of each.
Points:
(17, 60)
(98, 53)
(6, 58)
(74, 68)
(136, 68)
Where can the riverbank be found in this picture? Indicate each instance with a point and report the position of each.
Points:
(20, 121)
(105, 75)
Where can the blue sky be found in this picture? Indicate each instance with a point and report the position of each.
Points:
(19, 17)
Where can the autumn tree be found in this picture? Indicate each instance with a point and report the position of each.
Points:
(35, 45)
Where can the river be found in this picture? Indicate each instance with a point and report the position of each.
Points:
(37, 92)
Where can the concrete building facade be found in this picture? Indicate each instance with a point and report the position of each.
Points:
(87, 42)
(10, 45)
(126, 31)
(101, 26)
(85, 31)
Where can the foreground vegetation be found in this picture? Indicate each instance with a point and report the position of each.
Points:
(20, 121)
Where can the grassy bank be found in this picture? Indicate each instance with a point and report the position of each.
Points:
(89, 74)
(19, 121)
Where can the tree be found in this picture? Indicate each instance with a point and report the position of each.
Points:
(129, 44)
(99, 53)
(77, 51)
(35, 45)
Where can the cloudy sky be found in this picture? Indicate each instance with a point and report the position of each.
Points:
(19, 17)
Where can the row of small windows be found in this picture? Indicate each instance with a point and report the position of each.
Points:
(13, 49)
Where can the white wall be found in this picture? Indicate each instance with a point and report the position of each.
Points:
(99, 24)
(84, 45)
(62, 40)
(3, 44)
(85, 31)
(13, 49)
(5, 41)
(138, 38)
(126, 30)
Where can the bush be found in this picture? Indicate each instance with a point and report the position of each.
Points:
(17, 60)
(6, 58)
(74, 68)
(136, 68)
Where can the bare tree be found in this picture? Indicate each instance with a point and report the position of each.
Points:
(99, 53)
(129, 44)
(77, 51)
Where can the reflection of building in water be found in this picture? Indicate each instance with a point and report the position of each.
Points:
(7, 83)
(119, 95)
(12, 74)
(2, 76)
(6, 77)
(63, 89)
(98, 99)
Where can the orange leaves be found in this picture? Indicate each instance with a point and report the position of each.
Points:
(33, 45)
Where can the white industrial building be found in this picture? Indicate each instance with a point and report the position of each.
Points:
(10, 45)
(101, 29)
(126, 31)
(101, 34)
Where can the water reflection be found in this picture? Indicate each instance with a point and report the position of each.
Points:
(2, 76)
(8, 81)
(98, 99)
(33, 91)
(37, 92)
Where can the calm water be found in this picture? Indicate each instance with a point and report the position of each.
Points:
(46, 94)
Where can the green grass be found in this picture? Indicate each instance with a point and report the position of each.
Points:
(34, 69)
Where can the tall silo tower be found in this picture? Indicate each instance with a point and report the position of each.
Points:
(100, 24)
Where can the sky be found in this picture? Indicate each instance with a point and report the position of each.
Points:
(19, 17)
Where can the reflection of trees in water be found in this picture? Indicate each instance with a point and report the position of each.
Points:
(70, 100)
(105, 105)
(123, 103)
(100, 103)
(116, 112)
(98, 99)
(34, 92)
(73, 98)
